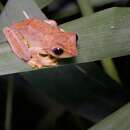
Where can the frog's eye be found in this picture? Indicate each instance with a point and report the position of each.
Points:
(58, 51)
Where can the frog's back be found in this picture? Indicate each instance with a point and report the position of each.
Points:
(38, 24)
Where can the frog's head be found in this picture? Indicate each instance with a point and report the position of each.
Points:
(62, 45)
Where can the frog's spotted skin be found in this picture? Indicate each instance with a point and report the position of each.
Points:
(35, 41)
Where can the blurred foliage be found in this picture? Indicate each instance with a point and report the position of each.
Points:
(116, 121)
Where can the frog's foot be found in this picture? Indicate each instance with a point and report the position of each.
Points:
(62, 30)
(51, 22)
(39, 61)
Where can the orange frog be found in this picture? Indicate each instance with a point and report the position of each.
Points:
(40, 42)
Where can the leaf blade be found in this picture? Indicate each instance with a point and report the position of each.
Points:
(105, 34)
(117, 121)
(43, 3)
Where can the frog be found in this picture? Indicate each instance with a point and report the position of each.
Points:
(40, 43)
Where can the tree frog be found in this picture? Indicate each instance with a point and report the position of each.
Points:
(40, 43)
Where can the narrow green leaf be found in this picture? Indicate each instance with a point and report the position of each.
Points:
(100, 2)
(67, 11)
(1, 6)
(120, 120)
(85, 7)
(104, 2)
(43, 3)
(110, 69)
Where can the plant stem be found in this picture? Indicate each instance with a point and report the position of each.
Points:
(85, 7)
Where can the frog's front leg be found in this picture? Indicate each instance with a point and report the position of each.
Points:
(17, 43)
(40, 58)
(38, 61)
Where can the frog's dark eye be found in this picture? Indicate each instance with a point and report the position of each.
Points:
(58, 51)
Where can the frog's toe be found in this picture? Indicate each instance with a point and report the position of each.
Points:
(34, 64)
(51, 22)
(48, 62)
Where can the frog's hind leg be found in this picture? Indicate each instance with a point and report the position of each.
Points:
(40, 58)
(17, 43)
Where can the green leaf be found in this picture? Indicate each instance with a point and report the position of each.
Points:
(1, 6)
(66, 11)
(107, 64)
(105, 2)
(85, 7)
(101, 2)
(104, 34)
(120, 120)
(101, 35)
(43, 3)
